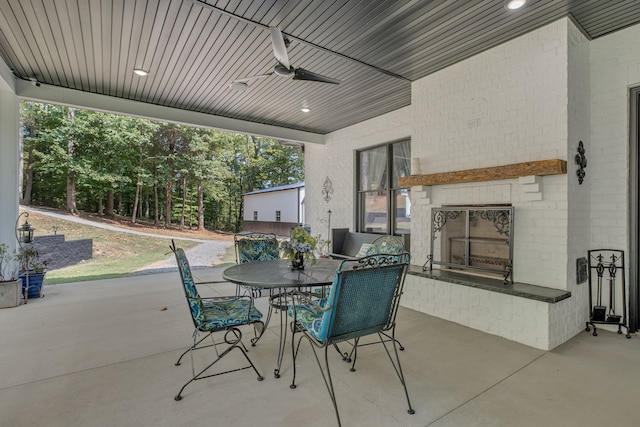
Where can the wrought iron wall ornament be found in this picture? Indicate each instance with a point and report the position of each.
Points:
(327, 190)
(581, 161)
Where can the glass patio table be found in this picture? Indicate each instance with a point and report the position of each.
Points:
(279, 278)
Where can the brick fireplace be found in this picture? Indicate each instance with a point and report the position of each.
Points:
(474, 239)
(482, 225)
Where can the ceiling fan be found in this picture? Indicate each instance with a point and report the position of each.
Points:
(282, 68)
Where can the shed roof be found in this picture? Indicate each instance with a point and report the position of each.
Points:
(279, 188)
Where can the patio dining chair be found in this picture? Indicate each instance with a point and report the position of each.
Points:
(252, 247)
(216, 314)
(384, 245)
(363, 300)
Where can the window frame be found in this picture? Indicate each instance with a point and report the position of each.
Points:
(390, 190)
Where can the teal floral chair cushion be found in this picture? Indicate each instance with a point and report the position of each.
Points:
(309, 317)
(252, 247)
(386, 245)
(195, 303)
(220, 314)
(315, 315)
(256, 247)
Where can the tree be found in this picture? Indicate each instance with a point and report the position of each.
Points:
(145, 129)
(36, 120)
(79, 158)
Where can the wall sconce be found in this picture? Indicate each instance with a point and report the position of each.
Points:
(24, 233)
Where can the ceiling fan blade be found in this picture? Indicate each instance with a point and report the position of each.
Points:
(279, 46)
(302, 74)
(248, 79)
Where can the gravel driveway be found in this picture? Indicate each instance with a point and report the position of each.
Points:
(206, 254)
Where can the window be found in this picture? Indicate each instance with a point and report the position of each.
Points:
(255, 215)
(278, 216)
(383, 207)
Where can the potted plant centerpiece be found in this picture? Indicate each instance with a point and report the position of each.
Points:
(299, 248)
(9, 283)
(32, 271)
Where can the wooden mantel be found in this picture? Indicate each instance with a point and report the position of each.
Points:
(514, 170)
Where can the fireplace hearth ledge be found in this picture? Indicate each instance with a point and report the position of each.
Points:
(518, 289)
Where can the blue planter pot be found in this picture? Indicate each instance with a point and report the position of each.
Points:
(34, 284)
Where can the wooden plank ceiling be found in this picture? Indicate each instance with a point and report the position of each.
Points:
(194, 49)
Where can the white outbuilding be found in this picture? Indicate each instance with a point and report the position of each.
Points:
(274, 210)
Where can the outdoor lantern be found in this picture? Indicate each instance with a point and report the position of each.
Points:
(25, 231)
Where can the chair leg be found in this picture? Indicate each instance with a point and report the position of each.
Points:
(195, 347)
(400, 347)
(326, 376)
(354, 354)
(255, 340)
(397, 367)
(234, 343)
(256, 335)
(329, 383)
(345, 356)
(349, 357)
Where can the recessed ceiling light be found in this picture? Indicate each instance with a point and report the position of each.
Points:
(140, 72)
(305, 110)
(515, 4)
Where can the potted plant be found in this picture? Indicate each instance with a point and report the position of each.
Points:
(32, 271)
(9, 283)
(299, 248)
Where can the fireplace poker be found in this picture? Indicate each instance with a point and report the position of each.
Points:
(599, 311)
(612, 317)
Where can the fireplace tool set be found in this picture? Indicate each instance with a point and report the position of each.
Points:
(607, 261)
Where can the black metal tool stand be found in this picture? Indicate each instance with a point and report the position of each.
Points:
(608, 266)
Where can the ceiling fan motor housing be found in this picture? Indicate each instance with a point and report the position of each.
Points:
(281, 70)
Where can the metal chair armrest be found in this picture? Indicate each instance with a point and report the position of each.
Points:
(307, 298)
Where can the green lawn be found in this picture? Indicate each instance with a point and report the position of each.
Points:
(115, 254)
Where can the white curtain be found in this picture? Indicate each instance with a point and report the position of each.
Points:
(373, 169)
(401, 160)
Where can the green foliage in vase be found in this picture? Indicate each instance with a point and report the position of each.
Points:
(301, 242)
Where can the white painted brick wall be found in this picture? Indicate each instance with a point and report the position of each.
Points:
(615, 64)
(529, 99)
(506, 105)
(568, 317)
(615, 67)
(518, 319)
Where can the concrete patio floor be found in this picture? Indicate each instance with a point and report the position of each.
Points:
(102, 354)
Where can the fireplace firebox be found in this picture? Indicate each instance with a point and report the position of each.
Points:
(474, 239)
